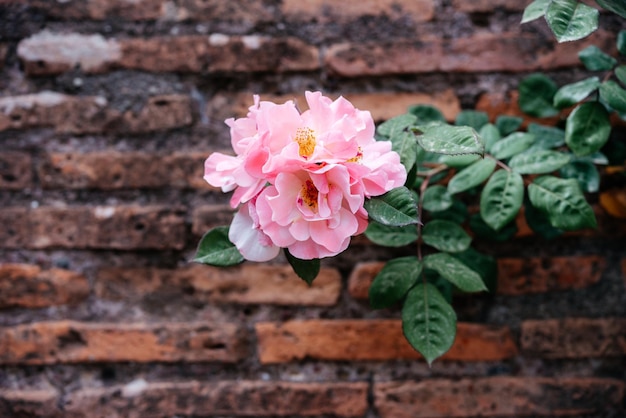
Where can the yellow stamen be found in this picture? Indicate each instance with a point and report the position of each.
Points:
(309, 195)
(305, 137)
(358, 157)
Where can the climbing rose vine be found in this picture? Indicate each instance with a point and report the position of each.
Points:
(300, 180)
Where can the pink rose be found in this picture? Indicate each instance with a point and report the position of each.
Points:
(300, 179)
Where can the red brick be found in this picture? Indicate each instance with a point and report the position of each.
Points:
(250, 12)
(53, 53)
(16, 171)
(371, 340)
(246, 284)
(325, 11)
(29, 286)
(140, 399)
(122, 170)
(499, 396)
(361, 278)
(382, 106)
(537, 275)
(41, 403)
(574, 337)
(82, 115)
(497, 104)
(208, 217)
(483, 6)
(219, 53)
(81, 342)
(112, 227)
(483, 52)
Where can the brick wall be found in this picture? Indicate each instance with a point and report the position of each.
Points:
(107, 110)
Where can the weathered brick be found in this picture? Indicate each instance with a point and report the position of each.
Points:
(537, 275)
(361, 278)
(325, 11)
(219, 53)
(113, 227)
(382, 106)
(81, 115)
(483, 52)
(237, 398)
(80, 342)
(499, 396)
(497, 104)
(53, 53)
(29, 286)
(16, 171)
(250, 12)
(40, 403)
(246, 284)
(122, 170)
(574, 337)
(484, 6)
(371, 340)
(208, 217)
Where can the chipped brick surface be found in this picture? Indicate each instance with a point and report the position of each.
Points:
(57, 342)
(371, 340)
(271, 284)
(237, 398)
(29, 286)
(498, 396)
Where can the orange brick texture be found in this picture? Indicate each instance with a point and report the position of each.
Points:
(108, 109)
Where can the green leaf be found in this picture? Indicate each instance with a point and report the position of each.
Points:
(570, 20)
(405, 145)
(395, 208)
(216, 249)
(513, 144)
(620, 73)
(484, 231)
(455, 272)
(428, 321)
(587, 128)
(501, 198)
(621, 42)
(615, 6)
(456, 161)
(456, 213)
(471, 176)
(594, 59)
(426, 114)
(535, 96)
(446, 236)
(585, 173)
(397, 125)
(538, 221)
(563, 201)
(613, 95)
(538, 162)
(472, 118)
(436, 198)
(307, 270)
(490, 134)
(391, 236)
(451, 140)
(570, 94)
(508, 124)
(394, 281)
(486, 266)
(535, 10)
(547, 137)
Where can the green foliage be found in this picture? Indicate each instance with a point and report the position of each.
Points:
(307, 270)
(428, 321)
(390, 236)
(453, 270)
(570, 20)
(588, 128)
(451, 140)
(446, 236)
(216, 249)
(615, 6)
(536, 94)
(594, 59)
(538, 162)
(394, 280)
(471, 176)
(501, 198)
(436, 198)
(571, 94)
(395, 208)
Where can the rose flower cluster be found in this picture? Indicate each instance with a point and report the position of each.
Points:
(299, 180)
